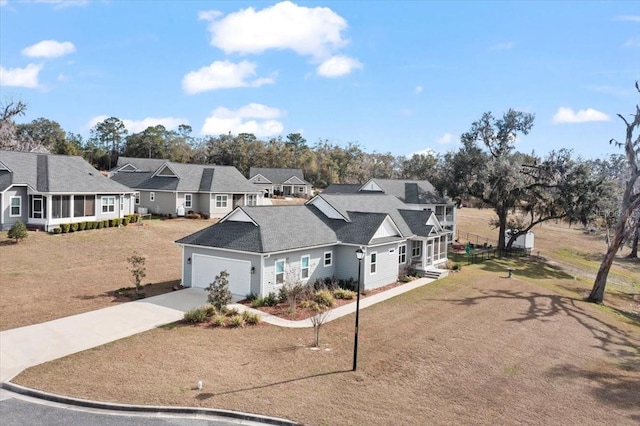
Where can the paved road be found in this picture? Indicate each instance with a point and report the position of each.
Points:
(20, 410)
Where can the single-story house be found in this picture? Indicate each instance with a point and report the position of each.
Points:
(44, 191)
(263, 247)
(165, 187)
(287, 182)
(416, 194)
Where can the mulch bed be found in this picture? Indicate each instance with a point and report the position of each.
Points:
(282, 310)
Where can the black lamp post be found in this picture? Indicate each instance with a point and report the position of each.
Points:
(360, 256)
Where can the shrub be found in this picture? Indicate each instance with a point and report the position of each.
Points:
(341, 293)
(283, 294)
(99, 224)
(205, 215)
(219, 321)
(237, 321)
(456, 267)
(105, 223)
(82, 226)
(219, 293)
(18, 231)
(349, 284)
(271, 299)
(57, 230)
(258, 302)
(125, 220)
(210, 310)
(251, 318)
(324, 298)
(230, 311)
(64, 227)
(251, 297)
(192, 216)
(309, 304)
(196, 315)
(137, 269)
(73, 227)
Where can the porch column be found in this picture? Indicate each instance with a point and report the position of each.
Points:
(423, 254)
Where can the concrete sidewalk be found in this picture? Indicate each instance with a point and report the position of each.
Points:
(24, 347)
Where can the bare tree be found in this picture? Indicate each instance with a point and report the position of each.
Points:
(630, 202)
(318, 321)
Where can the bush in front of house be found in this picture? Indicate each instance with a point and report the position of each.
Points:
(219, 294)
(105, 223)
(18, 231)
(324, 298)
(73, 227)
(65, 227)
(125, 220)
(237, 321)
(251, 318)
(196, 315)
(341, 293)
(57, 230)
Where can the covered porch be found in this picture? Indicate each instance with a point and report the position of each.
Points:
(428, 253)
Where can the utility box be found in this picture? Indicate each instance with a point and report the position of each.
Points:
(524, 241)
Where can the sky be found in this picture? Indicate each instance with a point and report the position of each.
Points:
(399, 77)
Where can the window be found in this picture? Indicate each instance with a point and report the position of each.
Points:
(83, 205)
(251, 199)
(109, 204)
(89, 205)
(280, 271)
(373, 262)
(188, 201)
(152, 196)
(221, 201)
(122, 203)
(60, 206)
(328, 258)
(402, 254)
(416, 248)
(301, 189)
(137, 195)
(16, 206)
(304, 267)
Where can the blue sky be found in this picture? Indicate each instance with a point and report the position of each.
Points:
(398, 77)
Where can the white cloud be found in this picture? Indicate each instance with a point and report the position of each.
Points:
(20, 77)
(632, 42)
(568, 115)
(503, 46)
(445, 139)
(223, 75)
(418, 90)
(137, 126)
(49, 49)
(315, 32)
(3, 2)
(337, 66)
(253, 118)
(426, 151)
(630, 18)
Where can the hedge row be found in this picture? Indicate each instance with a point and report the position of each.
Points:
(97, 224)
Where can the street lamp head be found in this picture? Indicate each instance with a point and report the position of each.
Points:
(360, 254)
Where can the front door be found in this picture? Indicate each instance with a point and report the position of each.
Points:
(36, 208)
(430, 253)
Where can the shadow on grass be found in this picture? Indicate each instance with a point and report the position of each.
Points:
(614, 387)
(529, 268)
(126, 294)
(207, 395)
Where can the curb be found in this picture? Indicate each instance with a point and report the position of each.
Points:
(151, 409)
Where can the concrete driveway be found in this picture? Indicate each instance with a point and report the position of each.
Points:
(24, 347)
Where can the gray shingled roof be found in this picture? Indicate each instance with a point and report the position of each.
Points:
(142, 164)
(411, 191)
(189, 178)
(306, 226)
(416, 220)
(277, 176)
(55, 174)
(346, 204)
(342, 188)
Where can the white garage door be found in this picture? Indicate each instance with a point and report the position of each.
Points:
(206, 268)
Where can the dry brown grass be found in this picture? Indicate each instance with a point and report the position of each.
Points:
(52, 276)
(474, 348)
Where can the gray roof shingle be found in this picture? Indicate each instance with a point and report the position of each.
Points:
(277, 176)
(56, 174)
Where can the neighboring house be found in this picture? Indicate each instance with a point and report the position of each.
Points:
(45, 190)
(262, 247)
(165, 187)
(287, 182)
(416, 194)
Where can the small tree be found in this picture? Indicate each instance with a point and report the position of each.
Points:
(18, 231)
(293, 287)
(318, 321)
(219, 293)
(137, 269)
